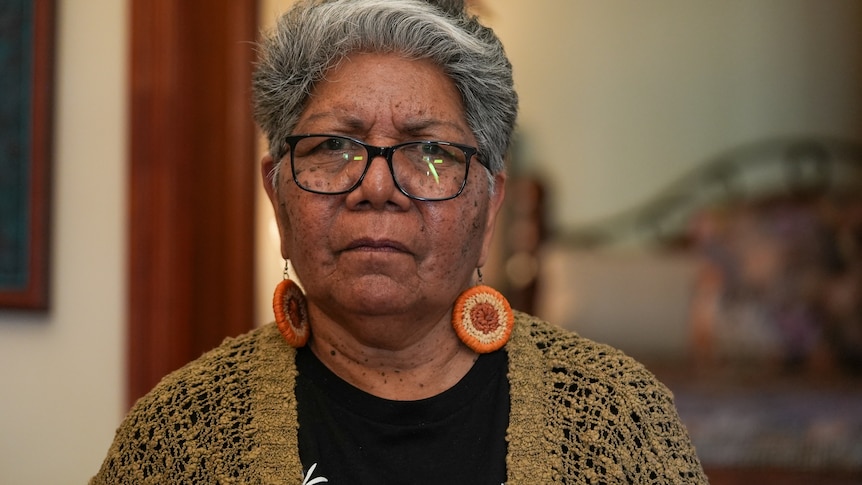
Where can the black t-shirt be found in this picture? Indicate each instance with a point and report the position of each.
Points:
(348, 436)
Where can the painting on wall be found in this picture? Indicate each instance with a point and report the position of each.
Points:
(26, 63)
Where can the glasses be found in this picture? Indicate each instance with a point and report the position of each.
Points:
(422, 170)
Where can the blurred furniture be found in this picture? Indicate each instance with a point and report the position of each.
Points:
(523, 228)
(741, 286)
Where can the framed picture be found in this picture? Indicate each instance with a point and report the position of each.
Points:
(26, 88)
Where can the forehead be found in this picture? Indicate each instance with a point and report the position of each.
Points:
(387, 91)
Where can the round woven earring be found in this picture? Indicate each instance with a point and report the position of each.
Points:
(483, 318)
(291, 311)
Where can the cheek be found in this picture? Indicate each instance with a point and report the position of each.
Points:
(460, 232)
(303, 223)
(477, 208)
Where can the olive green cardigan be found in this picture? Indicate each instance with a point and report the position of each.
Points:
(581, 412)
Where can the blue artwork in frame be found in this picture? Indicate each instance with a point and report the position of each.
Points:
(26, 61)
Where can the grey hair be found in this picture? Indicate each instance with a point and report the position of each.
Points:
(315, 35)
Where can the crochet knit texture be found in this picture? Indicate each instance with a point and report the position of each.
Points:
(581, 412)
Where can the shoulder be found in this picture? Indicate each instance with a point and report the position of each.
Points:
(564, 352)
(229, 365)
(196, 422)
(596, 405)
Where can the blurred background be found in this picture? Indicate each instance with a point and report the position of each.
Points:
(685, 186)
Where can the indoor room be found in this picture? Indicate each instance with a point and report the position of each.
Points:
(684, 185)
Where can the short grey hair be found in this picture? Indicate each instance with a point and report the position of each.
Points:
(315, 35)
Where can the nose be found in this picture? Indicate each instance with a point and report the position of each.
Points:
(378, 189)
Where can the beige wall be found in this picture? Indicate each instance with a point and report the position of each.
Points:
(621, 97)
(61, 373)
(270, 265)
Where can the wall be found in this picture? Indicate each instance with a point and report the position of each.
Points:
(61, 373)
(269, 264)
(620, 98)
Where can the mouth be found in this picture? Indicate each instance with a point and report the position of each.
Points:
(376, 245)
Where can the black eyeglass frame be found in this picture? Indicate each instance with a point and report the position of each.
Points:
(385, 152)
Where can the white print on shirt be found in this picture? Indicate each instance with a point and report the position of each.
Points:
(306, 481)
(309, 481)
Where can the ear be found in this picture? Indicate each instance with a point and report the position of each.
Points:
(267, 170)
(494, 205)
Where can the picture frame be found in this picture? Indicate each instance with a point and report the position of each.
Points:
(26, 106)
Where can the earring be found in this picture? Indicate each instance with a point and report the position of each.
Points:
(483, 318)
(291, 311)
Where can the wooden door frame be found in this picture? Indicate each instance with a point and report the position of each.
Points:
(191, 182)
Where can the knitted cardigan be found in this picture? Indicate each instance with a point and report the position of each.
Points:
(581, 412)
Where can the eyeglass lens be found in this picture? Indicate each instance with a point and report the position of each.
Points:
(426, 170)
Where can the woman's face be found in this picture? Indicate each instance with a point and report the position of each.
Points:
(374, 251)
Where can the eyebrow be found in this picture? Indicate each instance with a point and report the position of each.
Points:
(414, 127)
(348, 121)
(419, 126)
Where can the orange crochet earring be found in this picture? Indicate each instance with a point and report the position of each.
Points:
(483, 318)
(291, 311)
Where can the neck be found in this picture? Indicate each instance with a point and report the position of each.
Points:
(409, 362)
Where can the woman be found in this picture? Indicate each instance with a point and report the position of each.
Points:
(388, 122)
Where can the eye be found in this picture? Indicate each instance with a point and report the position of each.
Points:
(439, 153)
(334, 144)
(327, 149)
(432, 149)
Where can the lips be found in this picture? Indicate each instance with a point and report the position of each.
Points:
(370, 244)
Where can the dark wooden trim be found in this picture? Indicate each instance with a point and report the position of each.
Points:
(192, 180)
